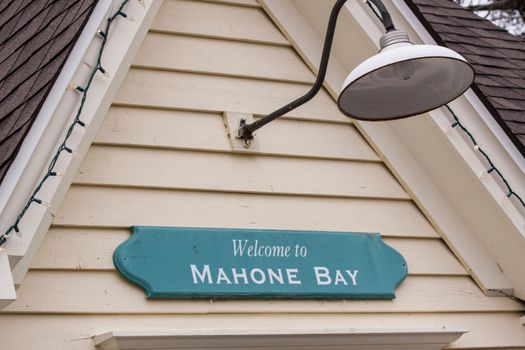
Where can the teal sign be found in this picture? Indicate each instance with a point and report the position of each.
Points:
(182, 262)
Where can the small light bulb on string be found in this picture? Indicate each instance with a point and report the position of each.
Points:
(103, 71)
(42, 202)
(476, 147)
(18, 232)
(446, 128)
(72, 86)
(484, 174)
(87, 64)
(80, 89)
(85, 126)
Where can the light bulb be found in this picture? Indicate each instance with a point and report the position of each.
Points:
(404, 70)
(446, 128)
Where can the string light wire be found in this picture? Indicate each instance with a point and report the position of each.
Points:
(374, 10)
(63, 147)
(492, 168)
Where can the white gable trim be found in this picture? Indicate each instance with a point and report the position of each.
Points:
(384, 339)
(7, 288)
(124, 39)
(396, 144)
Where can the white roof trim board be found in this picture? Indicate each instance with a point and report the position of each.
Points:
(384, 339)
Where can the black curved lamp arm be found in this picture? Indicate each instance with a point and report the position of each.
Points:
(385, 16)
(246, 130)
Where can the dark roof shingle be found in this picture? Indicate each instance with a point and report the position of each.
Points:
(497, 57)
(36, 38)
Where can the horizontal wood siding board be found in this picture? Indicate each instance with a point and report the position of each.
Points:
(205, 131)
(108, 292)
(157, 168)
(204, 55)
(249, 3)
(92, 249)
(422, 236)
(188, 91)
(427, 257)
(219, 191)
(54, 331)
(217, 20)
(124, 207)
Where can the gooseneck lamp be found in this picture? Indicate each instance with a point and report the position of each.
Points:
(402, 80)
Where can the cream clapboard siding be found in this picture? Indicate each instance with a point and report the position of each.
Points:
(162, 157)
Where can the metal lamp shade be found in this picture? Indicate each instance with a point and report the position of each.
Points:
(404, 80)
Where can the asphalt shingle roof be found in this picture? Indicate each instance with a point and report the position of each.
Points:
(36, 37)
(497, 57)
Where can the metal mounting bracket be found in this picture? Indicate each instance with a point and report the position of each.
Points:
(232, 121)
